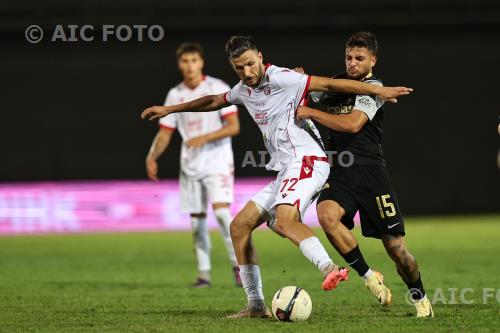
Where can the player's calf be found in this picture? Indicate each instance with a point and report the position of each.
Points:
(407, 268)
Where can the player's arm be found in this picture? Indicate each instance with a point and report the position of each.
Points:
(230, 128)
(160, 143)
(203, 104)
(390, 94)
(348, 123)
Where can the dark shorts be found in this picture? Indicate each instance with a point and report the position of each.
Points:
(369, 190)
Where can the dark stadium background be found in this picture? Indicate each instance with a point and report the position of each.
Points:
(71, 110)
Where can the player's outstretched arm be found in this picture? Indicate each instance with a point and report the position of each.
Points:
(347, 123)
(389, 94)
(203, 104)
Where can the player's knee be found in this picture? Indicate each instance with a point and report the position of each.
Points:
(280, 227)
(330, 218)
(239, 228)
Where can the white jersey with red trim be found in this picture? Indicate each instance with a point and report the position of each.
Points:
(272, 104)
(215, 155)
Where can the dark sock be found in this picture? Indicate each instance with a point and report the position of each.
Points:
(416, 289)
(355, 259)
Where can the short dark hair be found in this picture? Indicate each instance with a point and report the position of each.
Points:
(190, 47)
(363, 39)
(237, 45)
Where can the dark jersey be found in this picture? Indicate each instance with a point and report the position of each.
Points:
(366, 145)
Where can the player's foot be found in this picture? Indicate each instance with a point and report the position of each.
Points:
(247, 313)
(201, 283)
(334, 276)
(237, 278)
(375, 284)
(424, 308)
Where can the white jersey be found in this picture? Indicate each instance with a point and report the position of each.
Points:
(198, 162)
(272, 104)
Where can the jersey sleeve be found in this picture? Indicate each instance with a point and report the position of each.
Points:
(220, 88)
(169, 122)
(289, 79)
(233, 95)
(369, 104)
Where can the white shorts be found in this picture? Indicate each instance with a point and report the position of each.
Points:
(216, 188)
(297, 184)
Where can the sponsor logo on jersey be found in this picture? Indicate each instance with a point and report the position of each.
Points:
(267, 90)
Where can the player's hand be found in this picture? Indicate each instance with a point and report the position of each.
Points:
(391, 94)
(155, 112)
(303, 112)
(152, 169)
(196, 142)
(299, 70)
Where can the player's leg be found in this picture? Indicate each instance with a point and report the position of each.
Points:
(296, 188)
(224, 218)
(288, 224)
(203, 246)
(382, 218)
(249, 218)
(219, 188)
(336, 209)
(193, 201)
(407, 268)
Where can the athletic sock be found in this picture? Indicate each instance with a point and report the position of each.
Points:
(416, 289)
(316, 253)
(204, 275)
(223, 216)
(355, 259)
(252, 283)
(368, 274)
(202, 242)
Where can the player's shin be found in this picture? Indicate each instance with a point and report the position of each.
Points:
(202, 246)
(223, 216)
(252, 283)
(313, 250)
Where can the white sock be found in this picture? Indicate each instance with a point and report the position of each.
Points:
(368, 273)
(315, 252)
(224, 218)
(250, 277)
(202, 243)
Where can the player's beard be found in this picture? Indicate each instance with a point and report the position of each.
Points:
(260, 74)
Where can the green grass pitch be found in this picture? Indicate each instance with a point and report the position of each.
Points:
(139, 283)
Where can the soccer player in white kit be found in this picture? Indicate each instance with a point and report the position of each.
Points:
(207, 166)
(271, 95)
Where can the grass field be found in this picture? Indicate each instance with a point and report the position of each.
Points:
(139, 283)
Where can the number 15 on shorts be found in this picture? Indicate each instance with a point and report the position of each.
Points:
(385, 208)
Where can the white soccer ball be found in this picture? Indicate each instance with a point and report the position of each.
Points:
(291, 303)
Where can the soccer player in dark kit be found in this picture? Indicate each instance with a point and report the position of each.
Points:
(355, 125)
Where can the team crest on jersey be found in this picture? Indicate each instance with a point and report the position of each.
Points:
(267, 90)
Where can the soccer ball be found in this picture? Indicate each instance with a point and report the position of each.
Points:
(291, 303)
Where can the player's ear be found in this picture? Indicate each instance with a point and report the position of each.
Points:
(259, 54)
(374, 60)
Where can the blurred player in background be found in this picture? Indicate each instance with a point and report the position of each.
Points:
(271, 95)
(356, 126)
(207, 166)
